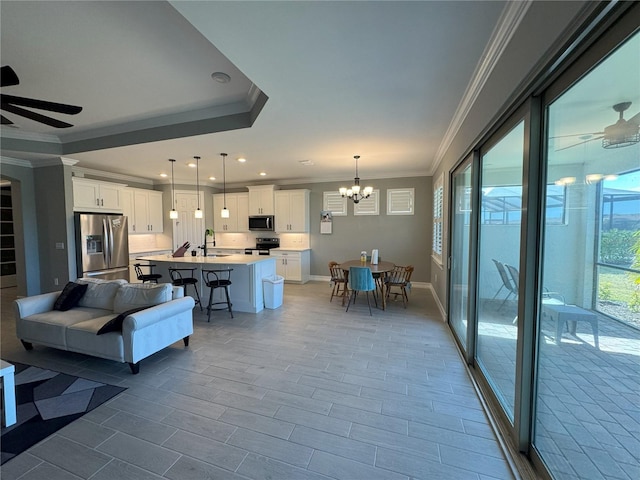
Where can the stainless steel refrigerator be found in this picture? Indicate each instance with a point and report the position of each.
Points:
(102, 246)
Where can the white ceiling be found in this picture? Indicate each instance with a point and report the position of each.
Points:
(377, 79)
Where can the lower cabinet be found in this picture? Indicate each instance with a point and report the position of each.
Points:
(294, 266)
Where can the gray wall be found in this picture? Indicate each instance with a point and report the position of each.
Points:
(534, 41)
(25, 225)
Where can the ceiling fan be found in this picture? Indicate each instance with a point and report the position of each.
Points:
(620, 134)
(12, 104)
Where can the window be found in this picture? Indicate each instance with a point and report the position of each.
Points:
(502, 205)
(400, 201)
(335, 203)
(438, 194)
(368, 206)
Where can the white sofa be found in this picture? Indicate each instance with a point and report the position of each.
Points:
(144, 332)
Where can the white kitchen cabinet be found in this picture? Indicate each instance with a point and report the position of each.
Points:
(145, 213)
(94, 195)
(126, 199)
(261, 200)
(292, 211)
(294, 266)
(238, 206)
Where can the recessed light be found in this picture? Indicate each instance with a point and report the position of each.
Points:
(262, 174)
(191, 164)
(242, 159)
(212, 178)
(306, 163)
(221, 77)
(163, 175)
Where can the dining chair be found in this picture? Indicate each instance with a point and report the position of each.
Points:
(338, 281)
(400, 280)
(361, 280)
(146, 277)
(218, 279)
(180, 278)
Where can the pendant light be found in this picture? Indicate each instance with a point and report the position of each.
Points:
(173, 214)
(224, 213)
(198, 212)
(354, 192)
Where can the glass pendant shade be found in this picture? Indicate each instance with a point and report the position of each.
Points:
(198, 213)
(224, 213)
(173, 214)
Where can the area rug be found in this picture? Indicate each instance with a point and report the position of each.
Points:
(47, 401)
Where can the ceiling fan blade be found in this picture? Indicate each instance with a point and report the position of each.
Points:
(41, 104)
(5, 120)
(635, 119)
(578, 134)
(579, 143)
(8, 77)
(52, 122)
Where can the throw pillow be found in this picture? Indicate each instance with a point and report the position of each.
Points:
(69, 297)
(115, 324)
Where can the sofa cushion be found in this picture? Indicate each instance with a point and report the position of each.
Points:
(100, 293)
(49, 327)
(70, 296)
(81, 337)
(115, 324)
(134, 295)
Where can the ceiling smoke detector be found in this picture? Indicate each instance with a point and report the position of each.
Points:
(221, 77)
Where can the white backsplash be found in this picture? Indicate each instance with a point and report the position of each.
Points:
(147, 243)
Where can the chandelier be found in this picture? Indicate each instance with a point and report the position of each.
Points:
(355, 193)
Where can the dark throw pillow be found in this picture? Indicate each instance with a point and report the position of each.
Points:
(115, 324)
(70, 296)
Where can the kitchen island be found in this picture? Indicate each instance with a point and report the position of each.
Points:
(248, 271)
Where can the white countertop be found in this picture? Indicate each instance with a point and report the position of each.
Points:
(290, 249)
(209, 260)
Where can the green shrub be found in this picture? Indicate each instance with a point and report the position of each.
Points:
(604, 292)
(617, 247)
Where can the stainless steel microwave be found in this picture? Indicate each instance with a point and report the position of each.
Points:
(261, 222)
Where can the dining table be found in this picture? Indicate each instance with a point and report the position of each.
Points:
(380, 268)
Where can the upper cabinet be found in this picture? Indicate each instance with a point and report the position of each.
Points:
(261, 200)
(238, 206)
(94, 195)
(292, 211)
(143, 209)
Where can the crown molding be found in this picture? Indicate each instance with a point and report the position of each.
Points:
(82, 171)
(507, 25)
(18, 162)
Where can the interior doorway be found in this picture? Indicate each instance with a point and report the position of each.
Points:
(187, 228)
(7, 238)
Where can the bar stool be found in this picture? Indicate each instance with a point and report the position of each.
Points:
(180, 280)
(218, 279)
(146, 277)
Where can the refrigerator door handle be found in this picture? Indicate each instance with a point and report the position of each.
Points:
(107, 242)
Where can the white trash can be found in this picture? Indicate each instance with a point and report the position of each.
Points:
(273, 290)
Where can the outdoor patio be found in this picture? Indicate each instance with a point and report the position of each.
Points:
(588, 399)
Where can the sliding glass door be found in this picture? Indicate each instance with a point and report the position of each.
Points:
(501, 166)
(461, 197)
(587, 408)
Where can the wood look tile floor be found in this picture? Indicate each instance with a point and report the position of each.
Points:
(305, 391)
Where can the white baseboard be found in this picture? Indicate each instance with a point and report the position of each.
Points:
(443, 312)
